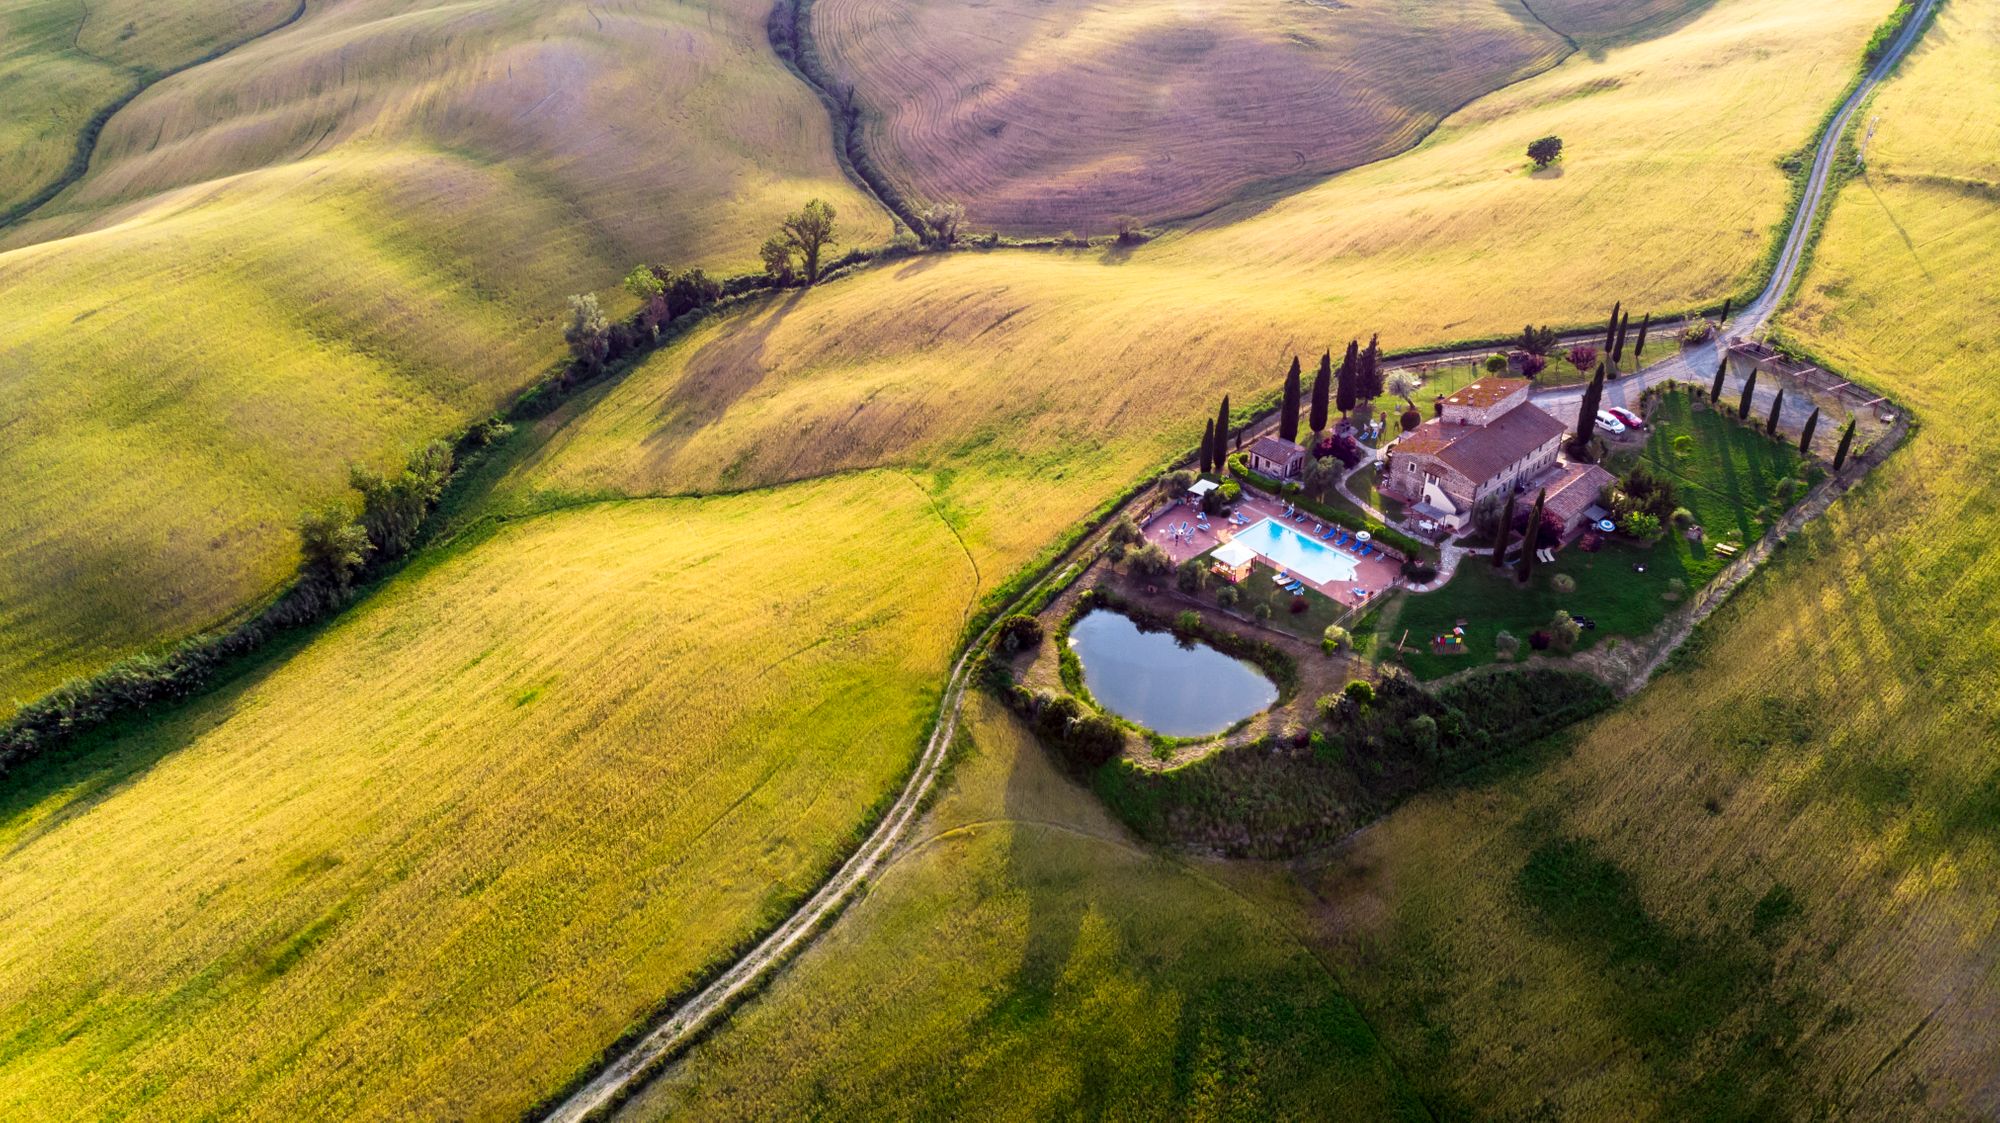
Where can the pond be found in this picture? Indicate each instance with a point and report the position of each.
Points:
(1175, 688)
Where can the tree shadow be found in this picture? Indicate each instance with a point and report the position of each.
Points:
(1553, 171)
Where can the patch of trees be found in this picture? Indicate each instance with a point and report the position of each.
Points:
(1367, 749)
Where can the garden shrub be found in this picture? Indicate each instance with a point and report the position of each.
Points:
(1564, 631)
(1538, 640)
(1335, 638)
(1150, 561)
(1019, 632)
(1495, 363)
(1187, 622)
(1563, 583)
(1192, 576)
(1361, 691)
(1298, 605)
(1506, 645)
(1126, 532)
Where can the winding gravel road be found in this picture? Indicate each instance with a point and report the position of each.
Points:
(631, 1067)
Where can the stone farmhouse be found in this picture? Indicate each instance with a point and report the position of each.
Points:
(1486, 439)
(1276, 457)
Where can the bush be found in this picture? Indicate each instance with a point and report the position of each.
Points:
(1150, 561)
(1421, 735)
(1335, 638)
(1495, 363)
(1564, 631)
(1126, 531)
(1332, 707)
(1683, 518)
(1262, 611)
(1676, 589)
(1361, 691)
(1018, 632)
(1187, 622)
(1298, 606)
(1192, 576)
(1177, 482)
(1506, 645)
(1231, 491)
(1115, 551)
(1640, 524)
(1583, 358)
(1532, 365)
(1538, 640)
(1228, 596)
(1563, 583)
(1698, 332)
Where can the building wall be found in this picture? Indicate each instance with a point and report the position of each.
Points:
(1457, 414)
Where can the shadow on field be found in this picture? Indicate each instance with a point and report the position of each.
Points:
(717, 376)
(51, 789)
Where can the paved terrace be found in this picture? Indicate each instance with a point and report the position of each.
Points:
(1373, 574)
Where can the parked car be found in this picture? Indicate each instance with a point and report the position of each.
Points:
(1609, 423)
(1631, 420)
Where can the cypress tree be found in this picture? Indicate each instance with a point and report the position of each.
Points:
(1530, 539)
(1645, 324)
(1322, 386)
(1618, 348)
(1368, 380)
(1288, 417)
(1777, 403)
(1715, 389)
(1805, 434)
(1846, 439)
(1344, 388)
(1586, 413)
(1222, 429)
(1208, 446)
(1749, 385)
(1506, 530)
(1611, 330)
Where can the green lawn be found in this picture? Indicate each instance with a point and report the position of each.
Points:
(1259, 588)
(1367, 484)
(1728, 475)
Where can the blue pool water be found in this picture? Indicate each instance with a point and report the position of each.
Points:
(1288, 549)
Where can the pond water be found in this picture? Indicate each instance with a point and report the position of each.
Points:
(1179, 689)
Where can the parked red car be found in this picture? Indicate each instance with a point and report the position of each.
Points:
(1631, 420)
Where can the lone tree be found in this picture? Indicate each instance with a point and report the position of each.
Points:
(778, 265)
(941, 222)
(1506, 531)
(1645, 324)
(1368, 377)
(1344, 389)
(1611, 329)
(1322, 387)
(1749, 387)
(1222, 431)
(1405, 384)
(809, 232)
(1846, 441)
(1208, 446)
(1288, 416)
(1715, 388)
(1586, 414)
(645, 285)
(1777, 404)
(1806, 434)
(1546, 151)
(1530, 539)
(588, 333)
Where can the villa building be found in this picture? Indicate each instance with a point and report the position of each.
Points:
(1487, 438)
(1276, 457)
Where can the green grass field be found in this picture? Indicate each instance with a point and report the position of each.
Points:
(1727, 474)
(432, 859)
(1023, 958)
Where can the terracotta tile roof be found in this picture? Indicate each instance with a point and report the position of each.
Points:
(1483, 451)
(1274, 448)
(1573, 492)
(1486, 391)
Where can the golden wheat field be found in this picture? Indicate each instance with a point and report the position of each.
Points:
(1025, 945)
(350, 236)
(1042, 117)
(64, 61)
(1066, 374)
(1805, 819)
(432, 860)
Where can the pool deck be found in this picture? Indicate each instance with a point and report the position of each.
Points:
(1372, 574)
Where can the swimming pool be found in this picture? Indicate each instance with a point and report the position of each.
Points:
(1315, 561)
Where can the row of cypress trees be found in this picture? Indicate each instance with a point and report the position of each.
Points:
(1358, 381)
